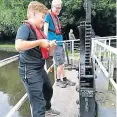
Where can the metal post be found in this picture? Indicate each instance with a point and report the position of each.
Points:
(66, 51)
(55, 71)
(45, 66)
(109, 42)
(73, 53)
(88, 10)
(86, 80)
(109, 69)
(104, 54)
(100, 52)
(92, 55)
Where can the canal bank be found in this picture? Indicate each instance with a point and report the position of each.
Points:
(7, 47)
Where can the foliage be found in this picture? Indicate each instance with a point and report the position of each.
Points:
(69, 11)
(104, 14)
(13, 13)
(72, 10)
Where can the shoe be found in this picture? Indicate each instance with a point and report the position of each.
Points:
(61, 84)
(68, 82)
(52, 112)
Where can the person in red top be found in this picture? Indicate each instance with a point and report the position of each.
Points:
(52, 29)
(33, 46)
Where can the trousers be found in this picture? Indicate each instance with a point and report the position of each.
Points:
(38, 87)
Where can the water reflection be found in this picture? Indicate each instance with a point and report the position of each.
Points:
(12, 89)
(4, 105)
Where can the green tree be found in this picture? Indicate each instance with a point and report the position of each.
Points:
(103, 12)
(13, 13)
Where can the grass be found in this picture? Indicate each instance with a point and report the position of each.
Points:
(7, 47)
(76, 54)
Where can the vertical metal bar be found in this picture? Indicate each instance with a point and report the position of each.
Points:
(104, 54)
(116, 69)
(109, 41)
(31, 110)
(92, 48)
(70, 46)
(54, 70)
(110, 71)
(45, 66)
(109, 62)
(112, 64)
(66, 51)
(100, 51)
(88, 10)
(93, 53)
(73, 52)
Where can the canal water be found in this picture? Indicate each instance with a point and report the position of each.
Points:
(12, 89)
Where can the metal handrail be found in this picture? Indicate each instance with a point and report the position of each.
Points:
(111, 49)
(99, 50)
(8, 60)
(105, 38)
(69, 40)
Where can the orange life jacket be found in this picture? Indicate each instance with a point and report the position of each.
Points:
(56, 22)
(40, 35)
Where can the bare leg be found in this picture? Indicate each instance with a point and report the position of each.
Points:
(60, 71)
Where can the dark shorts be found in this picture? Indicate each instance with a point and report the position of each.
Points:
(59, 55)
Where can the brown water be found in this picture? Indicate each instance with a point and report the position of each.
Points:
(11, 88)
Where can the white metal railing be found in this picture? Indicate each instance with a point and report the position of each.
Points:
(107, 40)
(8, 60)
(105, 56)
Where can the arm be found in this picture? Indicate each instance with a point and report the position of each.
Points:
(46, 26)
(73, 37)
(69, 36)
(22, 45)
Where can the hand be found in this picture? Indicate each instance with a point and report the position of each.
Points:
(53, 43)
(52, 47)
(44, 43)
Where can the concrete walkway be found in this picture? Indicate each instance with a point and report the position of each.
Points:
(64, 99)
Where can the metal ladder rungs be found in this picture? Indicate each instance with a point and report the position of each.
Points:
(87, 76)
(88, 66)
